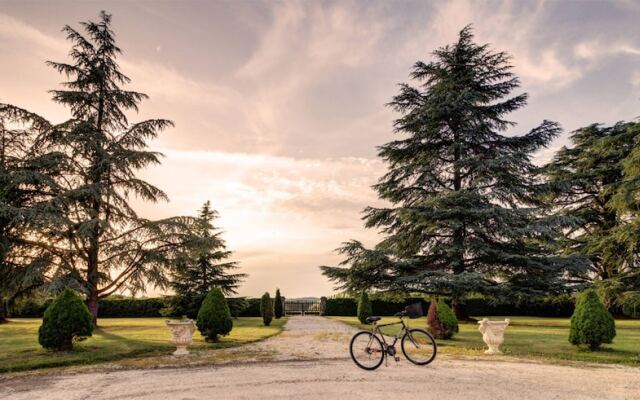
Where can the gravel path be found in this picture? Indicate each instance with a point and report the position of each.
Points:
(310, 361)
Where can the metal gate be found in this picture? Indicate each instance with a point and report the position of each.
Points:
(303, 307)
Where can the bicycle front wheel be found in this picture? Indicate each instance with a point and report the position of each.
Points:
(366, 350)
(419, 346)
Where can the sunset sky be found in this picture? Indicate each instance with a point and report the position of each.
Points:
(279, 106)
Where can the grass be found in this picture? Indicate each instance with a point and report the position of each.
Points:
(115, 339)
(533, 338)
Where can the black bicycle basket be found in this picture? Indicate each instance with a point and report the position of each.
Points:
(414, 310)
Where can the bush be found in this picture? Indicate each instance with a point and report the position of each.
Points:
(364, 307)
(277, 306)
(67, 318)
(214, 317)
(341, 307)
(130, 307)
(441, 320)
(237, 306)
(591, 323)
(266, 309)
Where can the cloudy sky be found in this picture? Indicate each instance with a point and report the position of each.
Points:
(279, 106)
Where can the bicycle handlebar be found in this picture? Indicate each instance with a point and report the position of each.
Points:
(400, 314)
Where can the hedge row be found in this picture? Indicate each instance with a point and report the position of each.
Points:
(346, 307)
(561, 306)
(107, 308)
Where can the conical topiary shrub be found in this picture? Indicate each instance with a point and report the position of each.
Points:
(214, 317)
(364, 308)
(266, 309)
(277, 306)
(591, 323)
(67, 318)
(441, 320)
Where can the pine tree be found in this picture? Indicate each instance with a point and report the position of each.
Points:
(277, 306)
(214, 316)
(591, 323)
(593, 185)
(108, 248)
(465, 209)
(204, 268)
(66, 319)
(28, 171)
(266, 309)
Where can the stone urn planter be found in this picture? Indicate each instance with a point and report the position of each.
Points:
(493, 334)
(181, 334)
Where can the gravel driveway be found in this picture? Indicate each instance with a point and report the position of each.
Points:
(310, 361)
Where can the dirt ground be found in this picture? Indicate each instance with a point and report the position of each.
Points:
(310, 360)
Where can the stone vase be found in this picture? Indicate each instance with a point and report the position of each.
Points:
(181, 334)
(493, 334)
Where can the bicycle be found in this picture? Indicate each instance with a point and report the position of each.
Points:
(369, 348)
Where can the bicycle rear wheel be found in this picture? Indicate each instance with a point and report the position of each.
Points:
(366, 350)
(419, 346)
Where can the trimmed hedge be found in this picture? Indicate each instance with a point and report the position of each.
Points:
(560, 307)
(65, 320)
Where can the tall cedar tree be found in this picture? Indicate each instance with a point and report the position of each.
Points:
(595, 185)
(28, 171)
(109, 248)
(205, 266)
(464, 214)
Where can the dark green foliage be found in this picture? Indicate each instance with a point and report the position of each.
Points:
(342, 307)
(28, 171)
(465, 214)
(214, 317)
(103, 245)
(594, 186)
(203, 267)
(266, 309)
(364, 307)
(129, 307)
(66, 319)
(447, 318)
(591, 323)
(441, 321)
(238, 306)
(278, 308)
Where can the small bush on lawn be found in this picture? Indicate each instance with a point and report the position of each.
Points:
(441, 320)
(364, 307)
(214, 317)
(591, 323)
(277, 306)
(67, 318)
(266, 309)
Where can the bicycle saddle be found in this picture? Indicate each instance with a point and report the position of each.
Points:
(372, 319)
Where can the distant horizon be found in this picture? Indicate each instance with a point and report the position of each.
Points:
(279, 107)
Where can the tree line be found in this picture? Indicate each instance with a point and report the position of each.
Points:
(469, 212)
(66, 218)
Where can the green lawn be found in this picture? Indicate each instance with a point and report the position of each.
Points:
(536, 338)
(116, 338)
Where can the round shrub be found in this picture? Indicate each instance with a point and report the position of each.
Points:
(591, 323)
(67, 318)
(364, 308)
(441, 320)
(266, 309)
(277, 306)
(214, 317)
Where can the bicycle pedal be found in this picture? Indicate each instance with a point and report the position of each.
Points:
(397, 359)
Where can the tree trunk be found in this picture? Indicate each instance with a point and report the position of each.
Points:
(92, 305)
(460, 310)
(3, 311)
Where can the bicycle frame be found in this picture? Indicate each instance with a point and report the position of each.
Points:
(377, 332)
